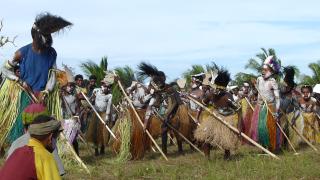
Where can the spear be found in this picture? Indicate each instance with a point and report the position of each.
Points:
(294, 128)
(74, 153)
(284, 134)
(179, 133)
(235, 130)
(98, 115)
(139, 119)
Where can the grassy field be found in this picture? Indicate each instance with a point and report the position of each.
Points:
(247, 163)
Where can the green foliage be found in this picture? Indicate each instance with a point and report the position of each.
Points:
(241, 78)
(315, 77)
(126, 75)
(245, 164)
(91, 68)
(255, 64)
(196, 69)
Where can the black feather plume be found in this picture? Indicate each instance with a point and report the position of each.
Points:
(223, 77)
(289, 76)
(146, 69)
(48, 23)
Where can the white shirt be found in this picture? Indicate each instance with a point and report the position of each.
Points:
(103, 101)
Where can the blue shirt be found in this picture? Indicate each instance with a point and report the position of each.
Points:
(34, 67)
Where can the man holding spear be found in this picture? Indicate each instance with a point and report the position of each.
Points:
(266, 113)
(97, 133)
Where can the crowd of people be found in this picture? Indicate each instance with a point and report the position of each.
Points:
(208, 112)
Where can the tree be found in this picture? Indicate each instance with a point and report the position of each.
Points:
(255, 65)
(5, 39)
(197, 69)
(126, 75)
(91, 68)
(315, 78)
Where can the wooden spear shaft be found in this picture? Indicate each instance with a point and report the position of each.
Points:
(139, 119)
(75, 154)
(99, 117)
(180, 134)
(234, 129)
(302, 137)
(284, 134)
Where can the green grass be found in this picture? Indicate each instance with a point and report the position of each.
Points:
(245, 164)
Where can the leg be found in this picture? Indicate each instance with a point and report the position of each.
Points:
(164, 138)
(179, 142)
(147, 118)
(206, 149)
(102, 150)
(226, 154)
(76, 146)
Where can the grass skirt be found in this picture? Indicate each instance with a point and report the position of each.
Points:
(10, 98)
(298, 123)
(311, 127)
(213, 132)
(97, 132)
(264, 129)
(17, 129)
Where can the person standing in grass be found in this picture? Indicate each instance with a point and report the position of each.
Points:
(309, 107)
(266, 113)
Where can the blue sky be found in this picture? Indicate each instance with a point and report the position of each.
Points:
(173, 34)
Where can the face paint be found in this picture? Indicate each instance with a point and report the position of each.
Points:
(194, 85)
(267, 75)
(68, 89)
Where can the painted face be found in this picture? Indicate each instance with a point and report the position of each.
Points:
(306, 94)
(70, 88)
(266, 72)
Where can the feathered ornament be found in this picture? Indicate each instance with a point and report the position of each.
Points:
(32, 111)
(223, 78)
(47, 23)
(158, 78)
(289, 73)
(149, 70)
(273, 64)
(69, 73)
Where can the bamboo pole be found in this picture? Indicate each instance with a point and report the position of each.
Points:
(301, 136)
(75, 154)
(99, 117)
(180, 134)
(284, 134)
(171, 139)
(139, 119)
(234, 129)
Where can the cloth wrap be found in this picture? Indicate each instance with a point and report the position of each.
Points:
(45, 128)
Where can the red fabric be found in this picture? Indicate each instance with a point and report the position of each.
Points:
(20, 165)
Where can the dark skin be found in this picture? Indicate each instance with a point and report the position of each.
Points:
(67, 90)
(16, 59)
(79, 82)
